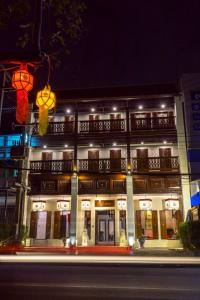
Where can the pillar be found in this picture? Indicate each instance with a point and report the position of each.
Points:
(185, 182)
(74, 202)
(130, 211)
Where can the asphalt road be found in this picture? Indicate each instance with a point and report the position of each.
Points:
(82, 281)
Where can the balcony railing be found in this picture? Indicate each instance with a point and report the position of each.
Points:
(155, 123)
(51, 166)
(102, 165)
(151, 164)
(102, 126)
(56, 128)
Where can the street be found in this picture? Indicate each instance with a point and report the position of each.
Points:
(98, 281)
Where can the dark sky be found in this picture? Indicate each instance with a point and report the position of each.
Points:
(127, 42)
(134, 42)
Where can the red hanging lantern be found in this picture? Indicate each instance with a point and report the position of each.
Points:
(22, 81)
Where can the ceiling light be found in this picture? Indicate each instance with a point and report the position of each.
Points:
(68, 111)
(114, 108)
(164, 142)
(142, 143)
(91, 145)
(66, 145)
(44, 146)
(92, 109)
(163, 106)
(114, 144)
(140, 107)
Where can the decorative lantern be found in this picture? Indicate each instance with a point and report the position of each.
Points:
(85, 204)
(145, 204)
(45, 100)
(22, 81)
(62, 205)
(172, 204)
(121, 204)
(39, 205)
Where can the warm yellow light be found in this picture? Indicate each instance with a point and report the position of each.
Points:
(46, 98)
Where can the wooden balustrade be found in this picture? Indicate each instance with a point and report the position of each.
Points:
(151, 164)
(51, 166)
(56, 128)
(117, 125)
(154, 123)
(102, 165)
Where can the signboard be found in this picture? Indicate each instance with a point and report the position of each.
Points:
(104, 203)
(191, 89)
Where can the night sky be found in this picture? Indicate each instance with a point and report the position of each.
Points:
(133, 42)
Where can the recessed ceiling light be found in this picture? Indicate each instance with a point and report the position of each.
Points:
(68, 111)
(164, 142)
(91, 145)
(163, 106)
(114, 144)
(66, 145)
(142, 143)
(140, 107)
(92, 109)
(44, 146)
(114, 108)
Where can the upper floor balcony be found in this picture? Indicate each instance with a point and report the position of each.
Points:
(138, 123)
(106, 165)
(154, 123)
(155, 164)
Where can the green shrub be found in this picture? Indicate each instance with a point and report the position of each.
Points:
(190, 235)
(6, 231)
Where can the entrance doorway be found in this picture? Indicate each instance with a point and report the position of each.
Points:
(105, 227)
(41, 225)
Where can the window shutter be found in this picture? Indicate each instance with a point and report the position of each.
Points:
(155, 224)
(33, 225)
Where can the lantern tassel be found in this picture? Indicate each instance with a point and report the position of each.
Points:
(43, 120)
(22, 110)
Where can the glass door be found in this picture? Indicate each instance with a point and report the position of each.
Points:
(105, 227)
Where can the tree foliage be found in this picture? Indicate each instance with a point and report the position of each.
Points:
(62, 23)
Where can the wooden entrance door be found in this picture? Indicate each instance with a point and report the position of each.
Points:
(68, 159)
(115, 160)
(142, 160)
(46, 161)
(165, 158)
(93, 160)
(115, 123)
(69, 121)
(93, 123)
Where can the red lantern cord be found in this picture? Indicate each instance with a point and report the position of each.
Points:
(22, 81)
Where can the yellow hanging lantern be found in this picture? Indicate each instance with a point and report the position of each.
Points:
(45, 100)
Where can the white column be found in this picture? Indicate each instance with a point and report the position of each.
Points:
(185, 182)
(74, 200)
(130, 211)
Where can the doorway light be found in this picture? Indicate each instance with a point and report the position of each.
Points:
(163, 105)
(44, 146)
(114, 108)
(91, 145)
(92, 109)
(140, 107)
(164, 142)
(114, 144)
(66, 145)
(68, 111)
